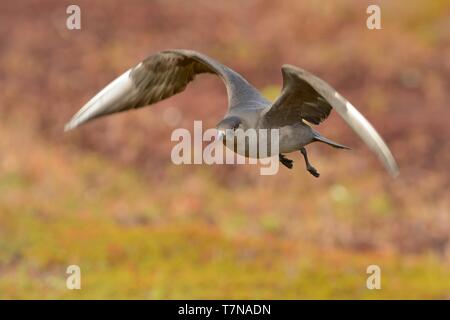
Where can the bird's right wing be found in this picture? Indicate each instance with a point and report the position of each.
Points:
(306, 96)
(158, 77)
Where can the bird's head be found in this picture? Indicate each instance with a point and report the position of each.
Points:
(227, 126)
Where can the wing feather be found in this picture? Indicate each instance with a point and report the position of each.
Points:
(159, 77)
(312, 99)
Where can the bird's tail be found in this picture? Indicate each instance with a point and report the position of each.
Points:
(318, 137)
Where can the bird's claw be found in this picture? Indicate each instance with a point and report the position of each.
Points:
(313, 171)
(286, 162)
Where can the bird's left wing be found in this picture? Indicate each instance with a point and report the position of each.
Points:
(298, 100)
(305, 96)
(158, 77)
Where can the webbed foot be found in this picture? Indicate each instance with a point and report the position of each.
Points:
(285, 161)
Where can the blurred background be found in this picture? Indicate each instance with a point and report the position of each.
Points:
(107, 197)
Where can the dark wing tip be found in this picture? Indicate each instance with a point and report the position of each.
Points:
(291, 69)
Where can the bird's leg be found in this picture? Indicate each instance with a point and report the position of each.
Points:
(285, 161)
(309, 167)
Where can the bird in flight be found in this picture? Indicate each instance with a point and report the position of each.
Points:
(304, 97)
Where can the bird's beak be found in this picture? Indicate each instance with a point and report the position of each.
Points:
(220, 135)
